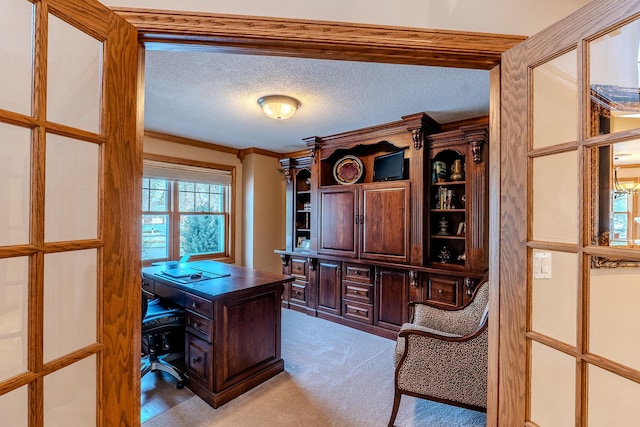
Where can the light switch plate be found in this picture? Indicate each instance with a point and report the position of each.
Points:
(542, 265)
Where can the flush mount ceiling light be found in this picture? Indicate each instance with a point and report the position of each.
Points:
(279, 107)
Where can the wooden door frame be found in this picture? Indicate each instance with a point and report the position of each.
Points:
(169, 30)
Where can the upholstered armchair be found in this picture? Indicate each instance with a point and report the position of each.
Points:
(442, 354)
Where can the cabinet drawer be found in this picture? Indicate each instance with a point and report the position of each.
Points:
(198, 354)
(444, 290)
(298, 291)
(199, 325)
(357, 272)
(198, 305)
(357, 311)
(299, 267)
(357, 291)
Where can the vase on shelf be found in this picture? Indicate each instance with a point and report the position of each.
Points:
(457, 173)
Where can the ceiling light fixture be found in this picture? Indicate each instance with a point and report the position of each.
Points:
(630, 187)
(279, 107)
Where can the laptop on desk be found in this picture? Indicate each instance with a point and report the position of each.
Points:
(180, 272)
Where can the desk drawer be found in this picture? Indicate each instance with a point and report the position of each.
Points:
(198, 305)
(147, 285)
(169, 293)
(199, 325)
(198, 358)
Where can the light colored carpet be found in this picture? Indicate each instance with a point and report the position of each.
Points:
(334, 376)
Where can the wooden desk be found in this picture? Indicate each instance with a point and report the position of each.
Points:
(233, 323)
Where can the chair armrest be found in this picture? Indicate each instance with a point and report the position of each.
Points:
(435, 306)
(413, 329)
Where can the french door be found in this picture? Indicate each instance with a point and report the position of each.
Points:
(569, 269)
(70, 177)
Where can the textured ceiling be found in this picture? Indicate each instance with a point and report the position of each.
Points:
(212, 97)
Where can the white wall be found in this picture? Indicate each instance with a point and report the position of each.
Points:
(523, 17)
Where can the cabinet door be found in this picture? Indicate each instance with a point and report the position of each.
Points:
(337, 230)
(392, 298)
(329, 289)
(385, 221)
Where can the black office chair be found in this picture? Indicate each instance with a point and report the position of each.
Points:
(162, 337)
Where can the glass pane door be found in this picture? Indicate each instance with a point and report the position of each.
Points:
(569, 263)
(63, 117)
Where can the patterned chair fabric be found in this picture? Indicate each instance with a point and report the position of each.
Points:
(442, 354)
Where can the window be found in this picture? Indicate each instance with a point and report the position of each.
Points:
(620, 218)
(625, 216)
(186, 210)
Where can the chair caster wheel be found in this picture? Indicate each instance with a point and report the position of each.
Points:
(180, 385)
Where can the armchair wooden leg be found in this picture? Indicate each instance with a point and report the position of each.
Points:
(396, 405)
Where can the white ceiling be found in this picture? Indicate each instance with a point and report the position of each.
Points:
(212, 97)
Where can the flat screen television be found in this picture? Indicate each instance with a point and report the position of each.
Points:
(389, 167)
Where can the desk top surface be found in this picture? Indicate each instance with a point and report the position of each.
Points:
(212, 278)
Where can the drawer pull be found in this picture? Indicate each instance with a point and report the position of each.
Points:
(193, 305)
(440, 291)
(356, 292)
(196, 359)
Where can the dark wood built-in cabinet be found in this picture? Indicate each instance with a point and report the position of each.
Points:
(367, 221)
(360, 248)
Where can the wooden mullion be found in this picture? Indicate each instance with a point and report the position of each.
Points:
(584, 211)
(36, 261)
(18, 119)
(36, 337)
(174, 216)
(71, 358)
(36, 403)
(71, 132)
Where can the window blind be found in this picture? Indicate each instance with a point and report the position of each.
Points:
(178, 172)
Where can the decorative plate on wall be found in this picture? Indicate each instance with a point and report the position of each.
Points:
(348, 170)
